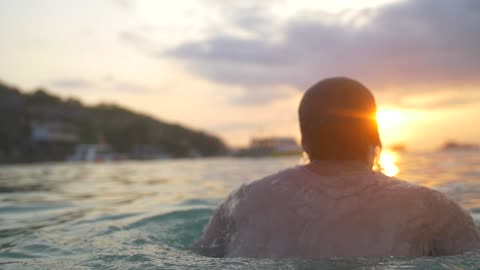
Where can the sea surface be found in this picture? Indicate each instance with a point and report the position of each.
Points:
(145, 215)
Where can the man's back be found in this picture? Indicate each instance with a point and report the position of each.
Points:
(337, 210)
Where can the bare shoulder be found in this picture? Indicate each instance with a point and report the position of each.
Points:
(419, 200)
(445, 209)
(442, 226)
(396, 187)
(265, 192)
(402, 185)
(268, 182)
(427, 198)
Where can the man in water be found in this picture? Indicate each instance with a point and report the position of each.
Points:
(337, 205)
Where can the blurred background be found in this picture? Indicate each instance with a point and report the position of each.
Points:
(157, 78)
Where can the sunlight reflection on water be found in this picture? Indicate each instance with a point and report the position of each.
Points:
(388, 163)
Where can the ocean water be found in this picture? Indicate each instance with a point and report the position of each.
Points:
(145, 215)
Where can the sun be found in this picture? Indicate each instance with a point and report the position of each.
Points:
(394, 124)
(389, 118)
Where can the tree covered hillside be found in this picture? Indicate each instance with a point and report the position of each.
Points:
(121, 128)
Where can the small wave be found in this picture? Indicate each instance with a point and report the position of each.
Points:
(176, 216)
(178, 229)
(104, 218)
(16, 208)
(40, 224)
(199, 202)
(23, 188)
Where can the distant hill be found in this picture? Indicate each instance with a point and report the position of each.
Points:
(453, 145)
(123, 129)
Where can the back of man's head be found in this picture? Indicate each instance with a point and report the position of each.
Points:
(337, 121)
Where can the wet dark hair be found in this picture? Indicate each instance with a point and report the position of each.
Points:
(337, 121)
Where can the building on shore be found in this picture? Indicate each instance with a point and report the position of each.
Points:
(94, 153)
(51, 141)
(100, 152)
(53, 132)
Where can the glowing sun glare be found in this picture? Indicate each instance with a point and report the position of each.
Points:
(389, 118)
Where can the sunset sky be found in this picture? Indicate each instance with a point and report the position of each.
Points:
(238, 68)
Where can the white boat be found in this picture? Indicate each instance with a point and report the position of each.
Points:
(92, 153)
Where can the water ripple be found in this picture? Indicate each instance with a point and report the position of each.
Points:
(146, 215)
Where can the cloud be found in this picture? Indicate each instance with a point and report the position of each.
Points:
(108, 83)
(258, 96)
(405, 45)
(237, 127)
(71, 83)
(126, 4)
(441, 100)
(139, 39)
(130, 87)
(112, 83)
(248, 15)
